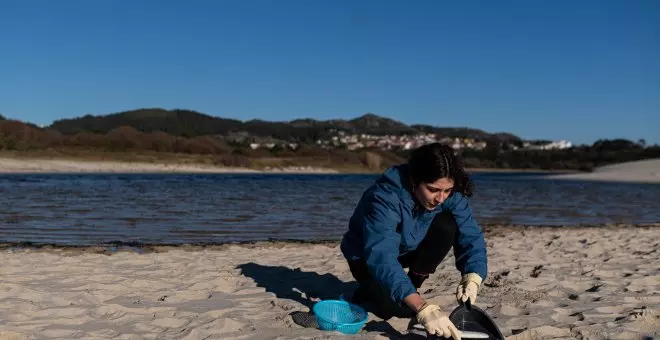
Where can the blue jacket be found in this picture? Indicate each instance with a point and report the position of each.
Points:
(387, 206)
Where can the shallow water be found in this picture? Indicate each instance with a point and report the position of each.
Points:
(173, 209)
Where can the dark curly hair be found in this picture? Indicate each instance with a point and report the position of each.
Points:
(430, 162)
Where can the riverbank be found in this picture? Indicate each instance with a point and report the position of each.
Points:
(561, 283)
(645, 171)
(35, 165)
(24, 165)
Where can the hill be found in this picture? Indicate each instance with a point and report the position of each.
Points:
(183, 123)
(187, 123)
(153, 135)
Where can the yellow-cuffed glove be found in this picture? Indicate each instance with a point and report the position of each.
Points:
(468, 288)
(436, 322)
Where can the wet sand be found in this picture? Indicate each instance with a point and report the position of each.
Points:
(560, 283)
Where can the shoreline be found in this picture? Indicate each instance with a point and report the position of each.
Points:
(71, 165)
(494, 230)
(595, 283)
(514, 170)
(9, 165)
(644, 171)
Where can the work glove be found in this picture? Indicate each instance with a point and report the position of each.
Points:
(436, 322)
(468, 288)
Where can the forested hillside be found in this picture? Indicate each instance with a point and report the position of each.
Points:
(184, 132)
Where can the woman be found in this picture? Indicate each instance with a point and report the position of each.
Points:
(410, 218)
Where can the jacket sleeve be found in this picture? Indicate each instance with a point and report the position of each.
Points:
(470, 246)
(381, 244)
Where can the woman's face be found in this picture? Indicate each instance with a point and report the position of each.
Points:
(430, 195)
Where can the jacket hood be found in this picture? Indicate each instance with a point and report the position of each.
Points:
(397, 177)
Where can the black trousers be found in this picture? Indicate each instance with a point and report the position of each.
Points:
(421, 262)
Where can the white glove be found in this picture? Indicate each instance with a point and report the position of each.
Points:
(436, 322)
(468, 288)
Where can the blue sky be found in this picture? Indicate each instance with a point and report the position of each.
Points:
(560, 69)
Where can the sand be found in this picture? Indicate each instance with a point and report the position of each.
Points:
(22, 166)
(571, 283)
(645, 171)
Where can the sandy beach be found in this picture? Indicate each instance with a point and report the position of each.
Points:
(22, 166)
(544, 283)
(645, 171)
(600, 282)
(36, 165)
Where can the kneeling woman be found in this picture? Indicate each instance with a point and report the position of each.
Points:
(410, 218)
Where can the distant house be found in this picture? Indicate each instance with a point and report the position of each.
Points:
(555, 145)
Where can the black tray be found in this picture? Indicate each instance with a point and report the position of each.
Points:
(466, 318)
(474, 319)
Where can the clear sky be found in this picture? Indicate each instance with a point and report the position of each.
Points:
(553, 69)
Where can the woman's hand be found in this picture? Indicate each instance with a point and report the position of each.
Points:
(468, 288)
(431, 317)
(436, 322)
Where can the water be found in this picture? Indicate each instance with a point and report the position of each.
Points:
(174, 209)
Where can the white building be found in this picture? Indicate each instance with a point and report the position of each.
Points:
(556, 145)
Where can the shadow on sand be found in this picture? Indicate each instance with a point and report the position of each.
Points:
(295, 284)
(306, 288)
